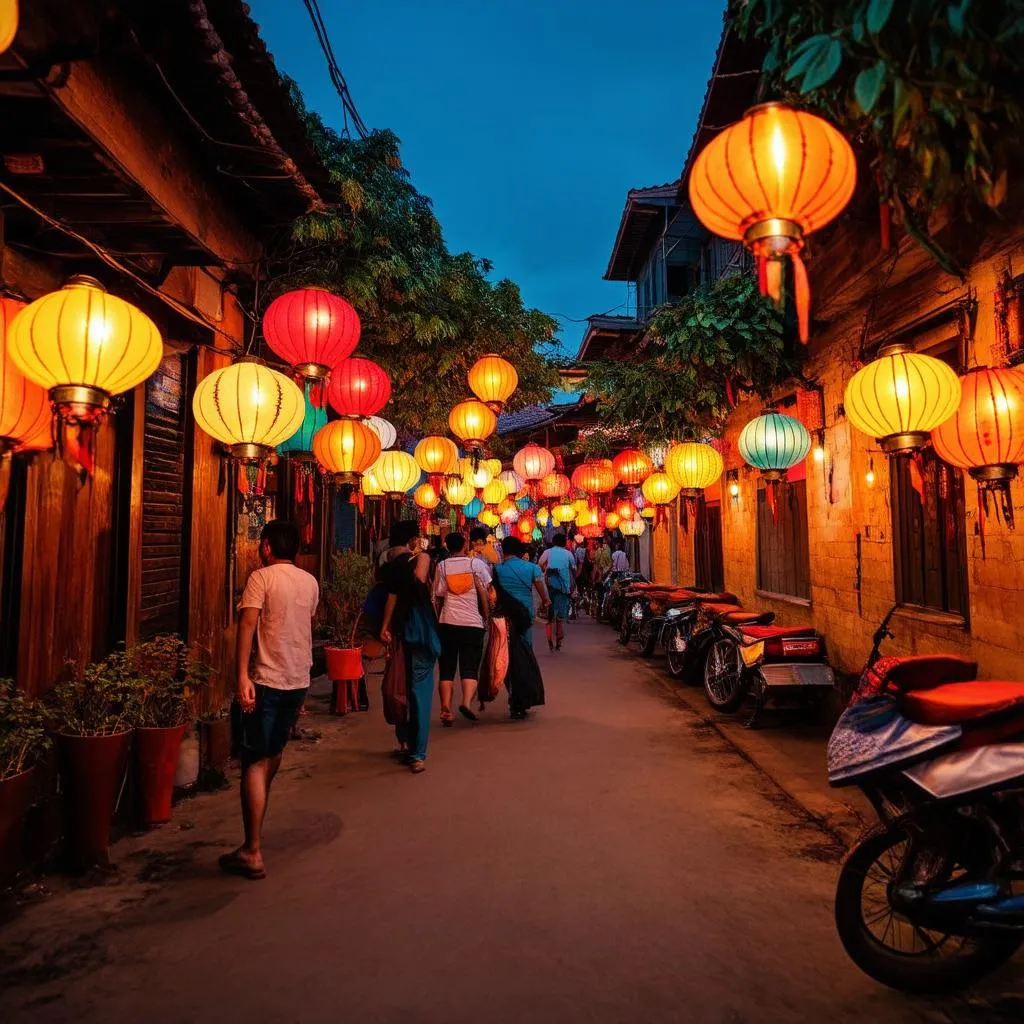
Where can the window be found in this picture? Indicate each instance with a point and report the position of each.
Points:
(709, 568)
(929, 536)
(783, 559)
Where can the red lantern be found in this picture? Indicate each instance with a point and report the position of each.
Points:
(311, 329)
(526, 526)
(533, 463)
(632, 467)
(554, 486)
(358, 388)
(625, 510)
(595, 476)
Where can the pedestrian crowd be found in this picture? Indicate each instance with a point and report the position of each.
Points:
(462, 611)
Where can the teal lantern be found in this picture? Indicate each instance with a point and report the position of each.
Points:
(537, 535)
(773, 443)
(300, 444)
(473, 508)
(524, 504)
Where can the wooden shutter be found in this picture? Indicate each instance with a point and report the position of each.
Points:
(783, 555)
(707, 544)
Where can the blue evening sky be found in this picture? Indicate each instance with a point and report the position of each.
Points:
(525, 122)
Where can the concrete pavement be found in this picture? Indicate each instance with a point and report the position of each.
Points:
(612, 859)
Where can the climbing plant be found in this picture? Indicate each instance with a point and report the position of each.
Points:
(930, 89)
(703, 353)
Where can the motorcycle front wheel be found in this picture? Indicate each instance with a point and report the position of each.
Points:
(893, 950)
(626, 628)
(724, 685)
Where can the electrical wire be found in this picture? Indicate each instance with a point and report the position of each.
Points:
(107, 258)
(348, 105)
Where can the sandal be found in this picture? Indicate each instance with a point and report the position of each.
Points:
(416, 767)
(233, 864)
(467, 713)
(447, 719)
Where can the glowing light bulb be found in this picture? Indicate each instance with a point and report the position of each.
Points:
(902, 387)
(734, 489)
(819, 453)
(869, 476)
(779, 151)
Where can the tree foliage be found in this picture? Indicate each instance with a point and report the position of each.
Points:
(931, 88)
(427, 313)
(703, 352)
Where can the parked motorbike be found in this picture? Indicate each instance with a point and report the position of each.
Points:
(925, 901)
(652, 613)
(611, 594)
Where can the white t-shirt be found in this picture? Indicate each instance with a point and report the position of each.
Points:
(620, 563)
(286, 597)
(461, 609)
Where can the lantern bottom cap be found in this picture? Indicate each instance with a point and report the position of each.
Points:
(909, 441)
(772, 475)
(311, 371)
(80, 394)
(691, 492)
(248, 452)
(495, 407)
(994, 474)
(348, 478)
(774, 228)
(303, 457)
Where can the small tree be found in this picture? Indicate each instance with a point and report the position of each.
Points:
(101, 699)
(343, 594)
(172, 677)
(23, 739)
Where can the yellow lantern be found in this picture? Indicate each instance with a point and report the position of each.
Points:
(768, 181)
(659, 489)
(436, 455)
(543, 516)
(397, 472)
(472, 423)
(901, 396)
(493, 467)
(347, 449)
(493, 379)
(457, 491)
(563, 513)
(693, 466)
(494, 492)
(612, 520)
(633, 527)
(8, 23)
(250, 408)
(648, 512)
(477, 478)
(489, 518)
(370, 485)
(426, 497)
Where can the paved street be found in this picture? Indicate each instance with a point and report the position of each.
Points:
(610, 860)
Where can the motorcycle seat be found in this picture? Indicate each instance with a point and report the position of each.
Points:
(957, 703)
(722, 597)
(922, 671)
(776, 632)
(744, 617)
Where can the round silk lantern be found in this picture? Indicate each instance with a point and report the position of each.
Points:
(512, 481)
(346, 449)
(770, 180)
(773, 443)
(397, 472)
(493, 467)
(526, 526)
(358, 388)
(901, 396)
(436, 456)
(693, 466)
(626, 510)
(564, 513)
(543, 516)
(24, 405)
(633, 527)
(554, 486)
(473, 508)
(312, 330)
(426, 497)
(370, 485)
(611, 521)
(472, 423)
(457, 491)
(300, 445)
(8, 23)
(632, 467)
(384, 430)
(595, 476)
(493, 379)
(533, 463)
(494, 492)
(660, 489)
(489, 518)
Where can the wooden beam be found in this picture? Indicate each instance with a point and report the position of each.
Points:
(138, 397)
(144, 146)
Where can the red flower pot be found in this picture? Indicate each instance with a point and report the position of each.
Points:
(15, 799)
(344, 669)
(156, 756)
(92, 769)
(214, 743)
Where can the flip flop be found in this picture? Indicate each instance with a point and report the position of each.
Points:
(232, 864)
(467, 713)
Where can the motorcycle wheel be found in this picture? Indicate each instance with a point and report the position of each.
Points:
(888, 947)
(648, 642)
(625, 629)
(675, 661)
(599, 608)
(724, 685)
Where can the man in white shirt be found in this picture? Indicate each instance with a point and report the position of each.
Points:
(276, 610)
(620, 560)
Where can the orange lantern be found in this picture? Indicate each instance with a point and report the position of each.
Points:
(659, 490)
(612, 520)
(24, 405)
(8, 23)
(554, 485)
(526, 526)
(985, 435)
(632, 467)
(625, 510)
(595, 476)
(533, 463)
(493, 379)
(769, 180)
(472, 423)
(436, 456)
(426, 497)
(346, 449)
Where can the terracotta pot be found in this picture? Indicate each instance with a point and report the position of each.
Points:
(214, 743)
(16, 795)
(92, 770)
(156, 756)
(344, 663)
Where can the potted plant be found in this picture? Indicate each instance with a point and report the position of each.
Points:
(170, 676)
(93, 713)
(23, 743)
(341, 600)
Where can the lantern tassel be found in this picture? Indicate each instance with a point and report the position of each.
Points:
(917, 474)
(773, 280)
(802, 297)
(771, 498)
(242, 478)
(762, 273)
(982, 515)
(5, 481)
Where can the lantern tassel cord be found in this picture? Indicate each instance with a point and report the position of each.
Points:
(771, 498)
(5, 482)
(982, 516)
(773, 280)
(802, 297)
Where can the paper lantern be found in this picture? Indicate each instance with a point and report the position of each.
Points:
(489, 518)
(660, 489)
(397, 472)
(526, 526)
(901, 396)
(493, 467)
(625, 510)
(769, 180)
(40, 438)
(493, 379)
(595, 476)
(312, 330)
(426, 497)
(632, 467)
(370, 485)
(384, 430)
(472, 423)
(564, 513)
(509, 511)
(543, 516)
(8, 23)
(24, 404)
(648, 512)
(347, 449)
(494, 492)
(249, 407)
(533, 463)
(693, 466)
(591, 531)
(633, 527)
(436, 456)
(611, 521)
(581, 505)
(554, 485)
(473, 508)
(512, 480)
(358, 388)
(773, 443)
(300, 445)
(83, 345)
(457, 491)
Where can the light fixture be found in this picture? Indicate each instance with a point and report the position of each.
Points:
(472, 423)
(397, 472)
(773, 442)
(358, 388)
(347, 449)
(533, 463)
(436, 456)
(493, 379)
(869, 476)
(312, 330)
(384, 430)
(632, 466)
(693, 465)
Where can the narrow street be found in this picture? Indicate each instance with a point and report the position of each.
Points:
(609, 860)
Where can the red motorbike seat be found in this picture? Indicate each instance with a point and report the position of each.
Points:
(923, 671)
(773, 632)
(743, 617)
(721, 598)
(956, 703)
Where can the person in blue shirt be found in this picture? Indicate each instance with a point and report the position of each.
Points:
(559, 572)
(520, 578)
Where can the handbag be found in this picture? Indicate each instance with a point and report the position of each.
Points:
(394, 687)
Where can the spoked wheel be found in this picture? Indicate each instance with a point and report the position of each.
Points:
(626, 627)
(893, 950)
(648, 640)
(724, 686)
(675, 652)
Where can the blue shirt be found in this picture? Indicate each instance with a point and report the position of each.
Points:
(561, 561)
(516, 578)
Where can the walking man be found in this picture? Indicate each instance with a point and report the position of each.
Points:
(620, 560)
(276, 610)
(559, 569)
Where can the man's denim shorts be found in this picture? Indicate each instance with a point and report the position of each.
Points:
(264, 731)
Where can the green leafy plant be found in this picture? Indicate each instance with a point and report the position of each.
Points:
(172, 677)
(23, 738)
(103, 698)
(929, 88)
(704, 352)
(343, 594)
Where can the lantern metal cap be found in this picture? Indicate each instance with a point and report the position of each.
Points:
(348, 478)
(251, 359)
(773, 227)
(773, 475)
(248, 452)
(994, 474)
(895, 348)
(84, 281)
(79, 394)
(311, 371)
(912, 440)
